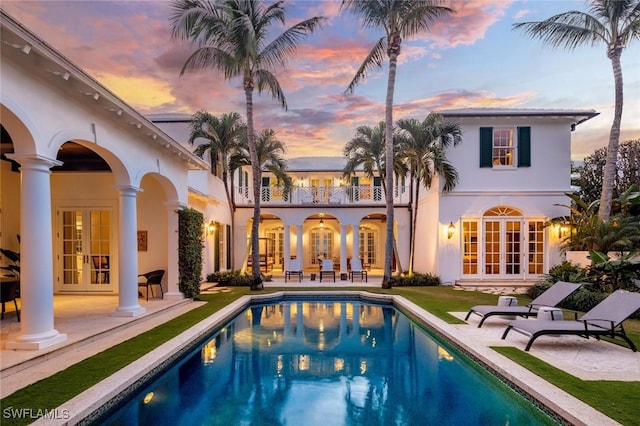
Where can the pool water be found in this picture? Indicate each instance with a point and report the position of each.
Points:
(324, 363)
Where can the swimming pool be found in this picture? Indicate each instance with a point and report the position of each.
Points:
(323, 362)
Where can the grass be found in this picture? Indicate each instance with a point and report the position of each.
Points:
(618, 400)
(437, 300)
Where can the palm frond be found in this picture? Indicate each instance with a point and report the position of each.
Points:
(569, 29)
(374, 60)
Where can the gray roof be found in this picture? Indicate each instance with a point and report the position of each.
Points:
(574, 115)
(316, 164)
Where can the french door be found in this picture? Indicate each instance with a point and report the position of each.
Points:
(503, 242)
(84, 249)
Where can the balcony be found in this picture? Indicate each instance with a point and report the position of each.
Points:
(302, 196)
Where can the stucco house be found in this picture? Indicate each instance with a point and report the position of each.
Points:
(92, 187)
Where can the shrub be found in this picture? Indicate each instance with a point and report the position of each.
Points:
(190, 245)
(415, 280)
(230, 279)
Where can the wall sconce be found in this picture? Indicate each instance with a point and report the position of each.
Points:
(321, 223)
(563, 229)
(451, 229)
(211, 227)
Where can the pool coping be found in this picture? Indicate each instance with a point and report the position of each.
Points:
(84, 406)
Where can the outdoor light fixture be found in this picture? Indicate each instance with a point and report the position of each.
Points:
(451, 229)
(211, 227)
(321, 223)
(563, 229)
(147, 398)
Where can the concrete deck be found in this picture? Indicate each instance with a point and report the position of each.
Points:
(90, 329)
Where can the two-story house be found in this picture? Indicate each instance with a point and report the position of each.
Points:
(93, 188)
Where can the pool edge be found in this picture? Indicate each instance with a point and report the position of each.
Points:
(555, 400)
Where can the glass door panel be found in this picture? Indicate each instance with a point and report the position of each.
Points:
(492, 247)
(85, 255)
(513, 254)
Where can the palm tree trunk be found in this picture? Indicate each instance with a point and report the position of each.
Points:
(255, 169)
(229, 192)
(412, 250)
(389, 243)
(609, 174)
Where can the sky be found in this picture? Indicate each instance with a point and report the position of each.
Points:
(473, 58)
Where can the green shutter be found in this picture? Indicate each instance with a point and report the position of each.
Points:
(486, 146)
(228, 246)
(524, 146)
(216, 248)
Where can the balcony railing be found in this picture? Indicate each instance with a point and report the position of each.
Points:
(301, 195)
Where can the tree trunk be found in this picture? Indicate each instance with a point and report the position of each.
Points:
(609, 174)
(229, 192)
(414, 218)
(389, 242)
(257, 176)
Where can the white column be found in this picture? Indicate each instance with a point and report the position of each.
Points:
(299, 247)
(355, 248)
(343, 249)
(173, 275)
(287, 247)
(36, 256)
(128, 305)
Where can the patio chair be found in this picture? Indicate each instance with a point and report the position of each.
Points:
(10, 292)
(326, 269)
(357, 270)
(604, 319)
(152, 278)
(295, 268)
(550, 297)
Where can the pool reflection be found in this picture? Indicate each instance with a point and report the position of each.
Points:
(326, 363)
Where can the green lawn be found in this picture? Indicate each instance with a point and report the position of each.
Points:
(437, 300)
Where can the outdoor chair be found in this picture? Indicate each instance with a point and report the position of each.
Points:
(550, 297)
(357, 270)
(295, 268)
(150, 279)
(326, 269)
(10, 292)
(604, 319)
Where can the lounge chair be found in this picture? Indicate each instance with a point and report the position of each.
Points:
(326, 269)
(357, 270)
(604, 319)
(550, 297)
(294, 269)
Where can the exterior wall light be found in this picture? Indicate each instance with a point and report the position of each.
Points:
(451, 229)
(211, 227)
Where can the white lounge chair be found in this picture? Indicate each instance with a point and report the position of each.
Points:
(326, 269)
(295, 268)
(357, 270)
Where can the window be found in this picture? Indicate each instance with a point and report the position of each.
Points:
(502, 147)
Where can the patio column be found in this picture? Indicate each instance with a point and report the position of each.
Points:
(287, 247)
(355, 249)
(343, 249)
(173, 276)
(36, 255)
(299, 247)
(128, 305)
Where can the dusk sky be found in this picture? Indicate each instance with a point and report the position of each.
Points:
(472, 59)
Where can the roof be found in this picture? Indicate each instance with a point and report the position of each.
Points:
(316, 164)
(575, 116)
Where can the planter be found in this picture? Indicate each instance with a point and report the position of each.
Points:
(580, 258)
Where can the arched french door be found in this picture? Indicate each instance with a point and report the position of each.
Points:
(503, 244)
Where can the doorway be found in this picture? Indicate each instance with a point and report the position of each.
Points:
(84, 249)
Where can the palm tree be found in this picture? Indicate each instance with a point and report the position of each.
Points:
(367, 150)
(223, 136)
(270, 153)
(614, 23)
(399, 19)
(423, 147)
(232, 37)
